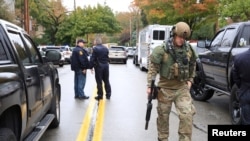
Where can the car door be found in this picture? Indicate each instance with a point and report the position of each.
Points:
(221, 57)
(32, 76)
(207, 58)
(43, 69)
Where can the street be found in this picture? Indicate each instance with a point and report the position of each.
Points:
(123, 116)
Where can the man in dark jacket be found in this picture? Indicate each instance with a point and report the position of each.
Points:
(241, 78)
(100, 61)
(80, 64)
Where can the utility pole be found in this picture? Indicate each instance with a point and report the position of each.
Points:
(26, 16)
(75, 5)
(130, 31)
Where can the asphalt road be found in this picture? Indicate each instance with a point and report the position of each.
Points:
(122, 118)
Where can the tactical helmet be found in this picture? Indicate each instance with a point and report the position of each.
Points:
(181, 29)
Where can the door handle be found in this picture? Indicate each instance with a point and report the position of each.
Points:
(28, 79)
(224, 54)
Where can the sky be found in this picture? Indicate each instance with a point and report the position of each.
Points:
(115, 5)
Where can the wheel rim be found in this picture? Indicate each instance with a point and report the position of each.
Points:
(197, 88)
(236, 112)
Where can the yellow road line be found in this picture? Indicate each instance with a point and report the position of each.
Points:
(85, 127)
(99, 121)
(82, 135)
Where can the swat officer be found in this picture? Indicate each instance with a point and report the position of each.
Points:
(175, 62)
(100, 61)
(241, 77)
(80, 64)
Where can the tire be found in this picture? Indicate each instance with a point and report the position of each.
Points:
(198, 91)
(136, 61)
(69, 62)
(234, 107)
(55, 107)
(7, 135)
(10, 120)
(141, 68)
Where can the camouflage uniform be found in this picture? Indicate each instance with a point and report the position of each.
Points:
(174, 74)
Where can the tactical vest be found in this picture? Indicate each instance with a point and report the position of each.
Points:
(175, 62)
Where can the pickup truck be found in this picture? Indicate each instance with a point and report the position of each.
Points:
(213, 70)
(30, 91)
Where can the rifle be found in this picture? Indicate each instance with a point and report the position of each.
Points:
(153, 95)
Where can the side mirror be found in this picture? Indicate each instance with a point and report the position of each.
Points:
(53, 55)
(201, 44)
(44, 49)
(207, 42)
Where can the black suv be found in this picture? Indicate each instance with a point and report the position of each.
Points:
(213, 74)
(29, 86)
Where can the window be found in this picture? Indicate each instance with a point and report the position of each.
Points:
(18, 43)
(117, 48)
(228, 37)
(3, 55)
(245, 36)
(158, 35)
(217, 39)
(34, 55)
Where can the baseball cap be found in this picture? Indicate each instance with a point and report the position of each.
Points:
(81, 40)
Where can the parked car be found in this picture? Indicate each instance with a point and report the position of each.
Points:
(131, 51)
(214, 67)
(135, 57)
(118, 54)
(30, 89)
(67, 52)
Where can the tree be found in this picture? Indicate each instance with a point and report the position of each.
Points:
(100, 19)
(238, 10)
(5, 12)
(125, 20)
(50, 14)
(86, 21)
(172, 11)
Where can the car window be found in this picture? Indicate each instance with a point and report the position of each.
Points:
(158, 35)
(217, 40)
(117, 49)
(245, 37)
(18, 43)
(34, 55)
(228, 37)
(3, 55)
(53, 48)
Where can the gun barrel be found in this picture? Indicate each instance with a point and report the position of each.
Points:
(148, 113)
(146, 125)
(149, 105)
(149, 108)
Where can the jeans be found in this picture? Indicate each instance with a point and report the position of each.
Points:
(80, 80)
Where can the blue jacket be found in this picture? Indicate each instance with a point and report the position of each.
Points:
(100, 54)
(79, 59)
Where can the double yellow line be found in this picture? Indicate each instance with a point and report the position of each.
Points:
(93, 119)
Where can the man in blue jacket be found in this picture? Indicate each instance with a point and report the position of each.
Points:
(100, 61)
(80, 64)
(241, 78)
